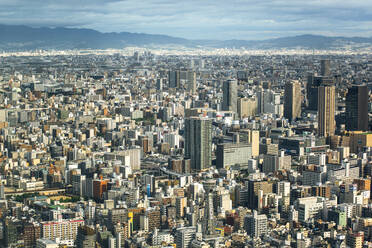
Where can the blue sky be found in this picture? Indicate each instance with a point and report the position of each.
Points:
(198, 19)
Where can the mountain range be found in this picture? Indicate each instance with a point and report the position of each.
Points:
(23, 38)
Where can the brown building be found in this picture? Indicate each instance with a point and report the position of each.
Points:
(355, 240)
(363, 183)
(357, 108)
(292, 100)
(32, 232)
(99, 188)
(154, 219)
(326, 109)
(323, 191)
(253, 190)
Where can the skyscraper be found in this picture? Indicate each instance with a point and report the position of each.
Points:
(313, 83)
(191, 81)
(326, 110)
(357, 108)
(292, 100)
(174, 79)
(198, 142)
(230, 95)
(159, 84)
(209, 227)
(247, 107)
(325, 67)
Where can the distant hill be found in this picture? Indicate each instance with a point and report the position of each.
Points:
(21, 38)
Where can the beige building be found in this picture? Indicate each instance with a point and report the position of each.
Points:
(358, 140)
(247, 107)
(251, 137)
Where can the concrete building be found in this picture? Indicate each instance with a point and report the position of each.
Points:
(292, 100)
(357, 108)
(230, 95)
(198, 142)
(247, 107)
(256, 224)
(184, 236)
(326, 110)
(229, 154)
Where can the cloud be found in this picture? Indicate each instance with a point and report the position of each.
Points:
(197, 19)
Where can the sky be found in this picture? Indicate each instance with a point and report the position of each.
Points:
(198, 19)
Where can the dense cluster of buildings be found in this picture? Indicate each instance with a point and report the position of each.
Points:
(185, 151)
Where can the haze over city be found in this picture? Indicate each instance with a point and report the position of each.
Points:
(185, 124)
(223, 20)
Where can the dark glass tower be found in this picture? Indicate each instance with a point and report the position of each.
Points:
(357, 108)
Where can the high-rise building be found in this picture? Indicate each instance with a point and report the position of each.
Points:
(159, 84)
(86, 237)
(313, 83)
(181, 204)
(174, 79)
(191, 81)
(184, 236)
(247, 107)
(292, 100)
(256, 224)
(198, 142)
(230, 95)
(209, 225)
(229, 154)
(252, 137)
(326, 110)
(325, 67)
(63, 230)
(32, 232)
(357, 108)
(355, 240)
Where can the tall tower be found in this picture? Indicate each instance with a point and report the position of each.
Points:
(357, 108)
(292, 100)
(174, 79)
(326, 110)
(209, 227)
(191, 81)
(230, 95)
(198, 142)
(325, 67)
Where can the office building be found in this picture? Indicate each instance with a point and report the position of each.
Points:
(86, 237)
(191, 81)
(357, 108)
(198, 142)
(251, 137)
(313, 83)
(326, 110)
(159, 84)
(209, 225)
(292, 100)
(229, 154)
(174, 79)
(325, 67)
(338, 216)
(230, 95)
(247, 107)
(355, 240)
(256, 224)
(184, 236)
